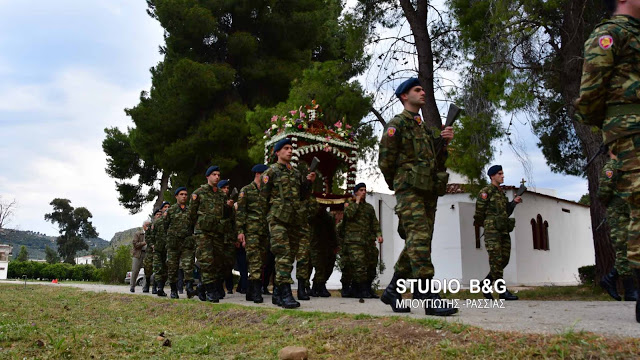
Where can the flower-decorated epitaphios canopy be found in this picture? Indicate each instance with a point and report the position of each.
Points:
(332, 145)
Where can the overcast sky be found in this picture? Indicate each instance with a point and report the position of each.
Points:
(68, 69)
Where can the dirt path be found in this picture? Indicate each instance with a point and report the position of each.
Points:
(608, 318)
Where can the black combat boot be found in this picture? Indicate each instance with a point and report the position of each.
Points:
(250, 295)
(322, 290)
(132, 288)
(507, 295)
(174, 290)
(286, 297)
(314, 290)
(255, 287)
(202, 295)
(347, 290)
(189, 287)
(364, 291)
(437, 306)
(161, 289)
(275, 299)
(630, 290)
(637, 271)
(391, 297)
(487, 294)
(302, 290)
(154, 289)
(211, 292)
(609, 282)
(145, 288)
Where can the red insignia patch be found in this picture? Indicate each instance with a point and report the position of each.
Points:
(484, 196)
(609, 173)
(605, 42)
(241, 194)
(265, 179)
(194, 196)
(391, 131)
(418, 119)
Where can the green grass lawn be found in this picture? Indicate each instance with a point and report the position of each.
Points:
(56, 322)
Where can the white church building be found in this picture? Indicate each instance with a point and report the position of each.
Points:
(551, 240)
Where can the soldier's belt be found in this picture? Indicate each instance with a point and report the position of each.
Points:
(625, 109)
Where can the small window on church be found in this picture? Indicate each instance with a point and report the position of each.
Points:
(540, 232)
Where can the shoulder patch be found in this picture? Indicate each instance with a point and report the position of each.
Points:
(265, 179)
(241, 194)
(605, 42)
(484, 196)
(194, 196)
(609, 173)
(391, 131)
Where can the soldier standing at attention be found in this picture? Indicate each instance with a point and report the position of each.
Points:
(180, 243)
(618, 220)
(230, 240)
(416, 172)
(253, 232)
(160, 251)
(208, 213)
(147, 264)
(284, 188)
(492, 212)
(609, 100)
(361, 227)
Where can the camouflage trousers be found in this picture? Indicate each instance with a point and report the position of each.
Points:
(285, 240)
(628, 186)
(303, 256)
(372, 261)
(499, 249)
(147, 263)
(229, 255)
(417, 212)
(322, 261)
(256, 246)
(180, 256)
(618, 220)
(210, 247)
(355, 250)
(160, 262)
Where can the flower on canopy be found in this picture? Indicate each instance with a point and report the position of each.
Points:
(338, 124)
(274, 118)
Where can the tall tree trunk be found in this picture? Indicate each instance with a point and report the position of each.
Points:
(572, 40)
(417, 18)
(164, 185)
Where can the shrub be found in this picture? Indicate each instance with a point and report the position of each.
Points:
(60, 271)
(116, 267)
(587, 274)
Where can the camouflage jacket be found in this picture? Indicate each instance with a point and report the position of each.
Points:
(407, 141)
(149, 235)
(157, 229)
(611, 77)
(493, 210)
(607, 188)
(250, 218)
(137, 244)
(177, 224)
(360, 221)
(208, 211)
(284, 189)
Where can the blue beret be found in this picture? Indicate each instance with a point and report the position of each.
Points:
(181, 188)
(406, 86)
(494, 170)
(259, 168)
(211, 169)
(280, 144)
(159, 210)
(358, 186)
(164, 203)
(223, 183)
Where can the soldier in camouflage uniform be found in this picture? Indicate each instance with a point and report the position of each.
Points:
(148, 259)
(160, 251)
(253, 232)
(323, 250)
(361, 229)
(209, 213)
(618, 220)
(230, 241)
(415, 170)
(284, 188)
(609, 100)
(180, 243)
(345, 269)
(303, 257)
(492, 212)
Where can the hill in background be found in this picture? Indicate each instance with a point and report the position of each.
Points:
(36, 242)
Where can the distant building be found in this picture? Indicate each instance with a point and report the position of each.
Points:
(85, 260)
(5, 253)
